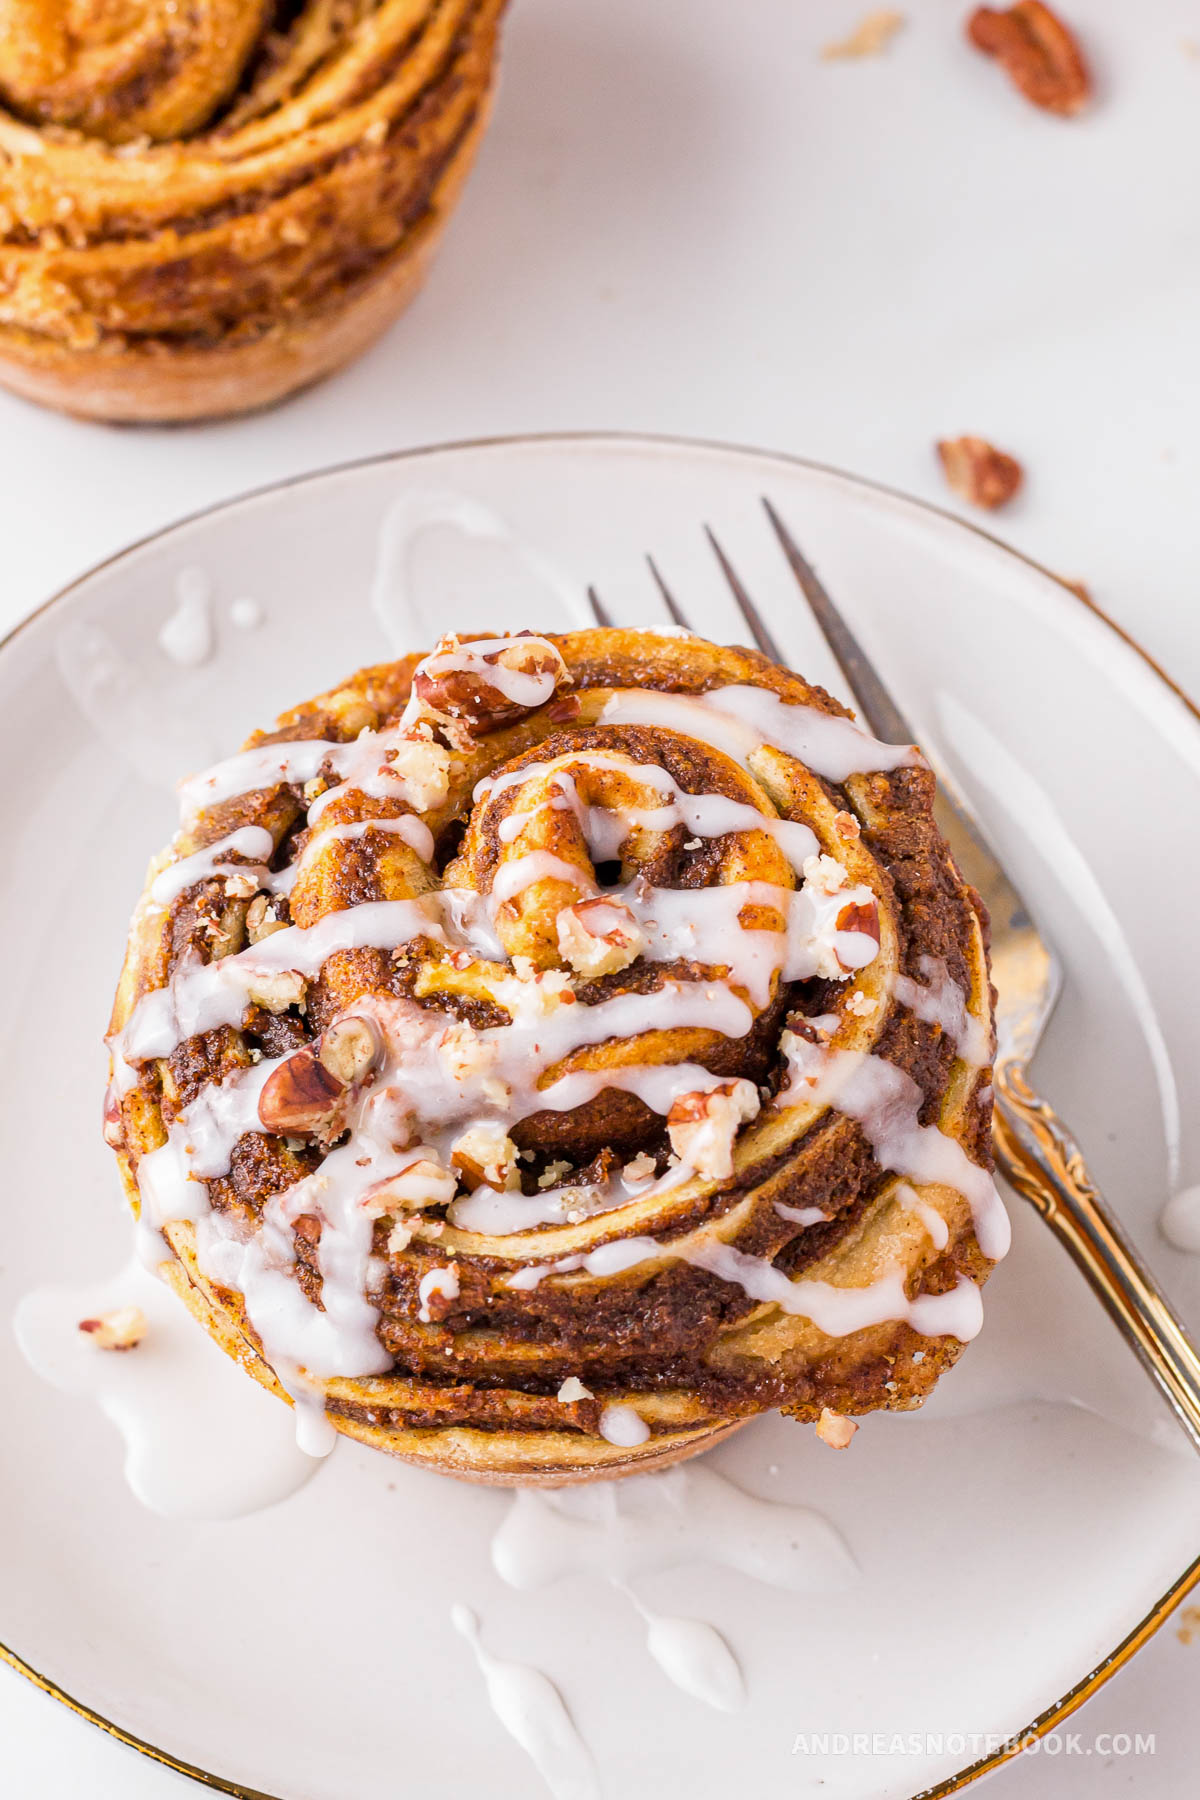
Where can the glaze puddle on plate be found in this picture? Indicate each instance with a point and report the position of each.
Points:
(202, 1440)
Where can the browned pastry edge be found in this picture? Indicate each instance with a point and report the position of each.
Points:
(160, 383)
(449, 1451)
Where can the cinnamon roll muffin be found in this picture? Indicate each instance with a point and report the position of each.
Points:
(204, 207)
(538, 1057)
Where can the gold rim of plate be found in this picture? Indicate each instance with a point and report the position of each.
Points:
(1145, 1629)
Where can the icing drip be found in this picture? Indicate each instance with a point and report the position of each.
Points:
(624, 1426)
(648, 1523)
(693, 1655)
(1180, 1220)
(201, 996)
(187, 636)
(942, 1002)
(886, 1103)
(740, 720)
(531, 1710)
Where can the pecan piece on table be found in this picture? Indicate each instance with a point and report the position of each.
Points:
(978, 472)
(1038, 52)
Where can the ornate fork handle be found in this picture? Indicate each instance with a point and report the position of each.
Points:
(1041, 1159)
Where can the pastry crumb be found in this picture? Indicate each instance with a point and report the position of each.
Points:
(870, 37)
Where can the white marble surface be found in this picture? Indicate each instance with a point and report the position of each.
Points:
(685, 221)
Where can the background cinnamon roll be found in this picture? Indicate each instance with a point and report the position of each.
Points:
(204, 207)
(538, 1058)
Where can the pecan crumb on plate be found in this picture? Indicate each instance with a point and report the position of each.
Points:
(978, 472)
(835, 1429)
(119, 1329)
(1039, 53)
(870, 37)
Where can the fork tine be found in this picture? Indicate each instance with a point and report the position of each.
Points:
(746, 606)
(669, 601)
(872, 697)
(955, 819)
(600, 612)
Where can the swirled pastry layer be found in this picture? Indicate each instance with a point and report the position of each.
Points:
(201, 209)
(541, 1056)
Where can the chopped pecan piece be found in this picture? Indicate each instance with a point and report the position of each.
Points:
(978, 472)
(702, 1126)
(599, 937)
(835, 1429)
(1038, 52)
(870, 36)
(119, 1329)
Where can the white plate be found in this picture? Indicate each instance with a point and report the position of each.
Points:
(1007, 1539)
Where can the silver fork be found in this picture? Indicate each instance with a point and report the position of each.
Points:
(1034, 1149)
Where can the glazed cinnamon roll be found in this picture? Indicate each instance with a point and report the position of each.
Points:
(204, 207)
(538, 1057)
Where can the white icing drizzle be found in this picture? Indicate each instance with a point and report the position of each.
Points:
(942, 1002)
(837, 1311)
(739, 720)
(606, 829)
(250, 771)
(886, 1103)
(531, 1710)
(645, 1524)
(201, 996)
(540, 865)
(412, 831)
(252, 843)
(930, 1217)
(802, 1215)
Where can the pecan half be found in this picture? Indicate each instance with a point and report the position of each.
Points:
(1037, 51)
(304, 1096)
(485, 690)
(978, 472)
